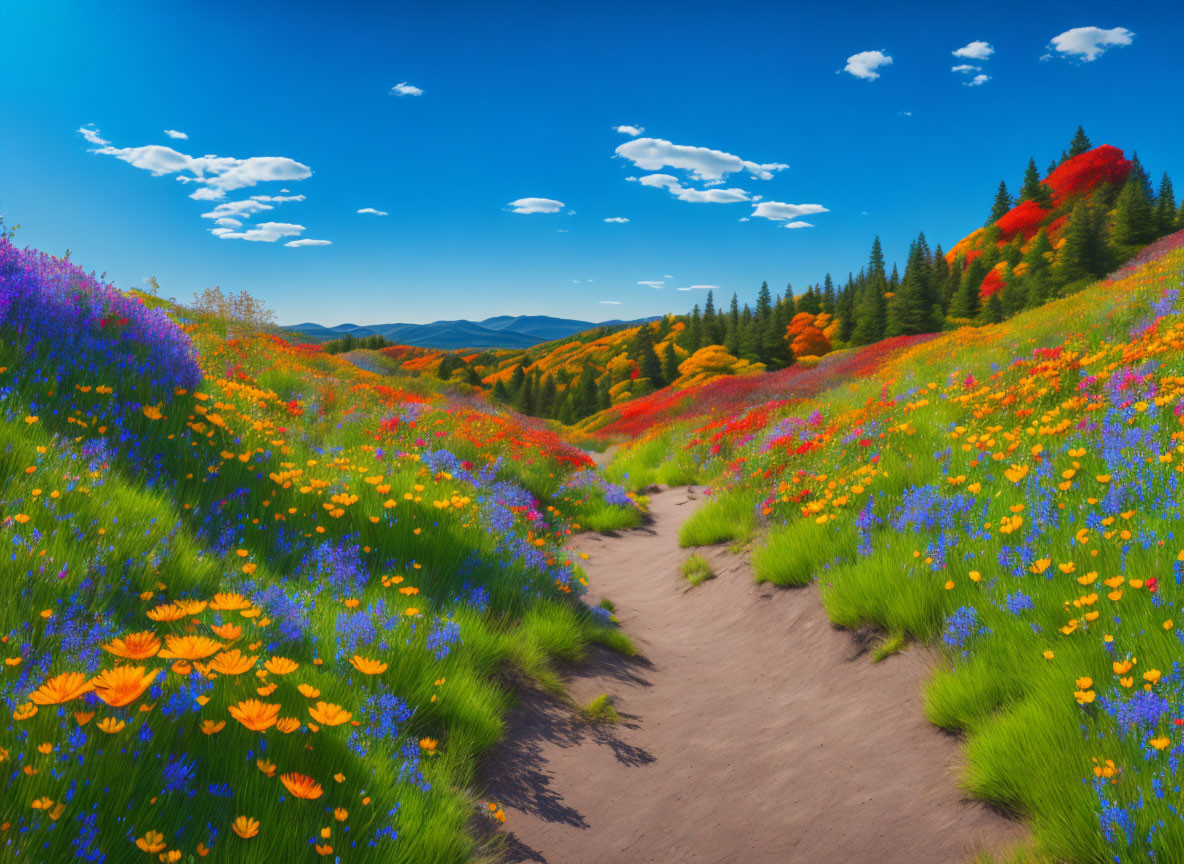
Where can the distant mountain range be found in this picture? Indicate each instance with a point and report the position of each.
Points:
(501, 331)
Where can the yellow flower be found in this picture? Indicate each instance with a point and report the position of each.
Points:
(1159, 743)
(329, 714)
(110, 725)
(1084, 683)
(41, 803)
(301, 785)
(287, 724)
(340, 814)
(152, 412)
(281, 665)
(1152, 676)
(230, 602)
(190, 647)
(233, 662)
(166, 612)
(368, 667)
(136, 646)
(209, 727)
(122, 685)
(245, 827)
(61, 689)
(152, 842)
(255, 715)
(308, 692)
(428, 744)
(268, 768)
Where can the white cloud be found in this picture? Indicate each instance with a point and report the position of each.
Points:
(905, 113)
(965, 68)
(698, 196)
(277, 199)
(227, 222)
(264, 232)
(977, 81)
(173, 133)
(536, 205)
(702, 163)
(92, 135)
(214, 175)
(652, 284)
(611, 302)
(237, 209)
(667, 276)
(632, 131)
(373, 212)
(298, 243)
(799, 225)
(616, 219)
(1089, 43)
(865, 63)
(405, 89)
(977, 50)
(700, 288)
(780, 211)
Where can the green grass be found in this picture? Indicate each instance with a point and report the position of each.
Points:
(892, 644)
(696, 569)
(601, 711)
(606, 518)
(722, 518)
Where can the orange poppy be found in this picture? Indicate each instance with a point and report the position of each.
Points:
(61, 689)
(255, 715)
(136, 646)
(301, 785)
(122, 685)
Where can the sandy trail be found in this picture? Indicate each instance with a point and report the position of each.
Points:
(753, 732)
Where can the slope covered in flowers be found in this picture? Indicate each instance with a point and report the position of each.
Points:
(1010, 494)
(257, 601)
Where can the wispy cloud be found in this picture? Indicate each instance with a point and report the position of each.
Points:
(298, 243)
(536, 205)
(632, 131)
(977, 80)
(699, 196)
(779, 211)
(173, 133)
(652, 283)
(965, 68)
(865, 63)
(373, 212)
(799, 224)
(700, 288)
(264, 232)
(610, 302)
(405, 89)
(977, 50)
(1089, 43)
(616, 219)
(701, 163)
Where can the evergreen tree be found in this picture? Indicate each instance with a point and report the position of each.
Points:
(471, 377)
(604, 399)
(707, 332)
(669, 364)
(1032, 189)
(585, 401)
(1082, 255)
(517, 377)
(1165, 207)
(524, 398)
(1134, 217)
(764, 304)
(789, 299)
(966, 302)
(1052, 166)
(1002, 204)
(694, 335)
(734, 313)
(845, 311)
(828, 295)
(871, 306)
(993, 310)
(499, 391)
(732, 336)
(1139, 173)
(1080, 143)
(646, 358)
(1037, 279)
(545, 405)
(912, 307)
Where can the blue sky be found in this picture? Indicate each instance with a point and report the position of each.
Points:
(520, 101)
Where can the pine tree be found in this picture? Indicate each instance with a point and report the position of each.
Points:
(846, 310)
(517, 377)
(1002, 204)
(828, 295)
(1037, 279)
(1032, 189)
(499, 391)
(604, 399)
(764, 304)
(646, 358)
(584, 402)
(1165, 207)
(694, 340)
(545, 405)
(789, 299)
(1139, 173)
(1080, 143)
(1081, 256)
(1134, 217)
(669, 364)
(734, 313)
(912, 307)
(993, 310)
(707, 334)
(966, 302)
(524, 398)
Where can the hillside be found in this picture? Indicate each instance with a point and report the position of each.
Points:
(502, 331)
(1009, 494)
(266, 599)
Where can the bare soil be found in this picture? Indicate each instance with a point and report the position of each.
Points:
(752, 731)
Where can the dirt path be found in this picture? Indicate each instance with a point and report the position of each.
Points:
(753, 732)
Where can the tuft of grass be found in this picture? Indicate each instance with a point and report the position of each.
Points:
(610, 517)
(794, 554)
(892, 644)
(601, 711)
(724, 518)
(697, 569)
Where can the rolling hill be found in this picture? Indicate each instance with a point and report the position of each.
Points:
(501, 331)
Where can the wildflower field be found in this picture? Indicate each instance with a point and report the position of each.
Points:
(258, 602)
(1012, 495)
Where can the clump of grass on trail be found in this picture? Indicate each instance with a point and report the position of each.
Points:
(601, 711)
(697, 570)
(261, 604)
(1012, 495)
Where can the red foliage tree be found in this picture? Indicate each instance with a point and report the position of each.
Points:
(1024, 218)
(1083, 173)
(810, 342)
